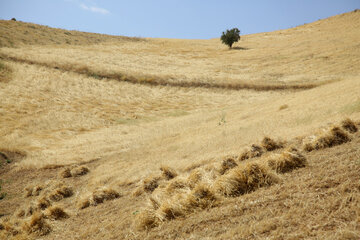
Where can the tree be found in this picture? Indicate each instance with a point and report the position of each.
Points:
(230, 37)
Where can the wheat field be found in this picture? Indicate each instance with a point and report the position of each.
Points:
(87, 121)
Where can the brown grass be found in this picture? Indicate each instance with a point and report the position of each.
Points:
(56, 213)
(245, 178)
(254, 151)
(43, 203)
(151, 183)
(66, 173)
(287, 161)
(5, 72)
(334, 136)
(129, 130)
(33, 190)
(349, 125)
(79, 171)
(167, 172)
(270, 144)
(34, 34)
(227, 164)
(37, 225)
(195, 177)
(147, 219)
(61, 192)
(99, 196)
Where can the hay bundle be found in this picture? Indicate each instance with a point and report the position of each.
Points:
(254, 151)
(61, 192)
(167, 172)
(335, 136)
(227, 164)
(37, 225)
(349, 125)
(151, 183)
(102, 195)
(245, 178)
(147, 219)
(56, 213)
(287, 161)
(270, 145)
(79, 171)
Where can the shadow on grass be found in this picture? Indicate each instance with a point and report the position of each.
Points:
(240, 48)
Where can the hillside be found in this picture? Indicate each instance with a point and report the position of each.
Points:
(87, 121)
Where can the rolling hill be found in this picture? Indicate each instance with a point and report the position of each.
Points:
(107, 137)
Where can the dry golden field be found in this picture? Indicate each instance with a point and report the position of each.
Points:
(105, 137)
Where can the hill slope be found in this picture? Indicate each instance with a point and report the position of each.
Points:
(75, 131)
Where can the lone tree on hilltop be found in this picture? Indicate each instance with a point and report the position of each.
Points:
(230, 37)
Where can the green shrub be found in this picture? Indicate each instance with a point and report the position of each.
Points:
(230, 37)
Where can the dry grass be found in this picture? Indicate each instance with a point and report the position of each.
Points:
(349, 125)
(288, 160)
(5, 72)
(60, 193)
(332, 137)
(43, 203)
(37, 225)
(254, 151)
(97, 197)
(66, 107)
(245, 178)
(18, 33)
(227, 164)
(56, 213)
(167, 172)
(270, 144)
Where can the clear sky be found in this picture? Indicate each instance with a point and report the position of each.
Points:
(173, 18)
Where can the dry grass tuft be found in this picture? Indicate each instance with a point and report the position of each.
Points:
(11, 228)
(147, 219)
(84, 203)
(168, 172)
(194, 177)
(102, 195)
(349, 126)
(176, 184)
(98, 197)
(287, 161)
(171, 210)
(227, 164)
(151, 183)
(43, 203)
(56, 213)
(335, 136)
(270, 145)
(60, 193)
(202, 196)
(20, 213)
(253, 152)
(33, 191)
(37, 225)
(66, 173)
(245, 178)
(79, 171)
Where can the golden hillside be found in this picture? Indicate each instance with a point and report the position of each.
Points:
(87, 121)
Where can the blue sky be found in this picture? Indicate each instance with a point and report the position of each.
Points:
(173, 18)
